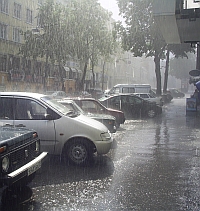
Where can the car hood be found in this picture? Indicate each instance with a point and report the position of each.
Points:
(92, 123)
(99, 116)
(11, 136)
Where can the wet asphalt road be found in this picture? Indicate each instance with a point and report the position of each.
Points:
(155, 167)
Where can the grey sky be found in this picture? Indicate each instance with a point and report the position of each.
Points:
(111, 5)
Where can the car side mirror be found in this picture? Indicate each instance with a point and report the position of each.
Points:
(48, 117)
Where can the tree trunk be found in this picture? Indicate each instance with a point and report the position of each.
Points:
(157, 72)
(102, 85)
(93, 76)
(61, 73)
(166, 72)
(45, 72)
(82, 82)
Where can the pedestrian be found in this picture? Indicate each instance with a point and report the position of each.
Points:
(196, 96)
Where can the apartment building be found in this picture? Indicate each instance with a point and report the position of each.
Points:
(16, 16)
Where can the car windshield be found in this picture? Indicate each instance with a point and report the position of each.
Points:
(72, 107)
(56, 105)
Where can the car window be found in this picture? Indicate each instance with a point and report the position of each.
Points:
(89, 106)
(151, 96)
(56, 105)
(125, 99)
(144, 95)
(125, 90)
(114, 100)
(131, 90)
(115, 90)
(6, 111)
(28, 109)
(135, 100)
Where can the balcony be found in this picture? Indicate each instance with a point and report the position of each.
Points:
(178, 20)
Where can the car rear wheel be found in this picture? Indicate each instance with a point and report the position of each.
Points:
(79, 152)
(151, 113)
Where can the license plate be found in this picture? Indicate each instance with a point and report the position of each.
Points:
(34, 168)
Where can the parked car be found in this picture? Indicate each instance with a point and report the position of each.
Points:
(128, 88)
(176, 93)
(132, 105)
(61, 132)
(107, 120)
(91, 105)
(20, 155)
(166, 97)
(150, 97)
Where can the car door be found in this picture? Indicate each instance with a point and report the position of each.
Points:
(35, 119)
(131, 105)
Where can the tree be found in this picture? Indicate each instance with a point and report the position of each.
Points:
(76, 31)
(51, 43)
(89, 33)
(140, 35)
(179, 51)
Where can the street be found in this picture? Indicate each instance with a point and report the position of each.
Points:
(155, 167)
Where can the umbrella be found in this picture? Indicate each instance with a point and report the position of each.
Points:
(194, 73)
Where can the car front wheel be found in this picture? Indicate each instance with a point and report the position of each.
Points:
(151, 113)
(79, 152)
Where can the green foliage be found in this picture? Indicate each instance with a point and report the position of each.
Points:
(140, 34)
(78, 30)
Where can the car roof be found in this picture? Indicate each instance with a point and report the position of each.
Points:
(23, 94)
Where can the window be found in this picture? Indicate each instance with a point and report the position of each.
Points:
(29, 109)
(17, 10)
(38, 20)
(3, 31)
(4, 6)
(144, 95)
(29, 16)
(114, 100)
(128, 90)
(3, 63)
(131, 90)
(16, 35)
(6, 109)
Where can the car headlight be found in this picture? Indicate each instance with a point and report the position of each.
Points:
(106, 136)
(5, 164)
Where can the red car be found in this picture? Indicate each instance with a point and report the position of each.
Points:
(90, 105)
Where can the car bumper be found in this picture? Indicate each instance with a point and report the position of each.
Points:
(25, 170)
(103, 147)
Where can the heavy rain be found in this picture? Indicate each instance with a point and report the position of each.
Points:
(99, 105)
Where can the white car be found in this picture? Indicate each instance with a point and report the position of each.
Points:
(150, 97)
(61, 132)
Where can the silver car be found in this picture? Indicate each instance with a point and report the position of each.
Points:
(62, 132)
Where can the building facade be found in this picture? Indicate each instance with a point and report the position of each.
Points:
(22, 74)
